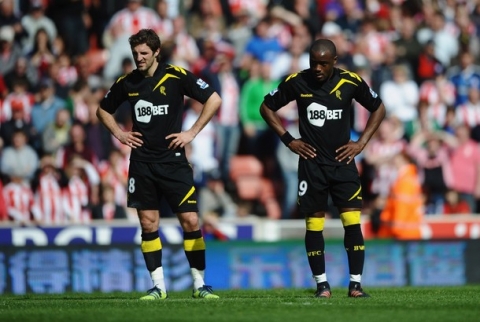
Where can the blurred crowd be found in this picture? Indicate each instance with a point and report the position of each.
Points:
(58, 58)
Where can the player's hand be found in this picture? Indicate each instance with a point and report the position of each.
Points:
(179, 140)
(303, 149)
(132, 139)
(348, 151)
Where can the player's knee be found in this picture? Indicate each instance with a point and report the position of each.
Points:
(315, 223)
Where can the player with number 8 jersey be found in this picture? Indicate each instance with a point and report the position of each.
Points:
(155, 93)
(324, 96)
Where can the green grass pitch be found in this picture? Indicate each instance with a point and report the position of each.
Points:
(408, 304)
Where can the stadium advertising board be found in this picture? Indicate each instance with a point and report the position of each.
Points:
(232, 265)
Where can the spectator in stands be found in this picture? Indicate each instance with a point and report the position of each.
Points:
(220, 75)
(465, 163)
(23, 71)
(99, 139)
(77, 148)
(186, 51)
(166, 15)
(19, 160)
(35, 20)
(402, 215)
(213, 197)
(261, 46)
(445, 43)
(407, 46)
(401, 95)
(82, 190)
(114, 172)
(428, 65)
(57, 134)
(261, 140)
(16, 123)
(430, 150)
(77, 103)
(454, 205)
(464, 76)
(9, 50)
(41, 54)
(8, 17)
(124, 23)
(18, 200)
(18, 95)
(108, 209)
(291, 61)
(202, 152)
(469, 112)
(73, 21)
(45, 108)
(47, 185)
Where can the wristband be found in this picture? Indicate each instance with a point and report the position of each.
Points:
(287, 138)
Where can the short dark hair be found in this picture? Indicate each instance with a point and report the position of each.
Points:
(324, 45)
(148, 37)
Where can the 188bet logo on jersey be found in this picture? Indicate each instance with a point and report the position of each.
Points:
(317, 114)
(144, 110)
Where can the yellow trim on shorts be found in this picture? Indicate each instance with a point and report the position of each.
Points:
(194, 244)
(315, 224)
(350, 218)
(148, 246)
(356, 193)
(192, 190)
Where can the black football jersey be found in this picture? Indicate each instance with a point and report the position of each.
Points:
(324, 109)
(157, 106)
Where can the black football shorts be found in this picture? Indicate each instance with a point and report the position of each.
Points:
(315, 181)
(148, 182)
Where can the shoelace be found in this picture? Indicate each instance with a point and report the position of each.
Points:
(207, 288)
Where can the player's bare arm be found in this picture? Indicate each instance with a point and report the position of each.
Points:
(297, 146)
(352, 148)
(210, 107)
(132, 139)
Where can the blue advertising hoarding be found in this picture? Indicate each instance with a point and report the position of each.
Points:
(230, 265)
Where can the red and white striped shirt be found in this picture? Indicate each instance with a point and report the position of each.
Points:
(128, 22)
(19, 201)
(468, 114)
(49, 201)
(75, 201)
(25, 99)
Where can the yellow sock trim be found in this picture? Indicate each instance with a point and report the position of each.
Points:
(148, 246)
(315, 224)
(194, 244)
(350, 218)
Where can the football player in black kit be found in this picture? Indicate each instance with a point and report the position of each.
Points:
(324, 95)
(158, 165)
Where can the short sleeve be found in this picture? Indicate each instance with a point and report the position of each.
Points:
(114, 97)
(367, 97)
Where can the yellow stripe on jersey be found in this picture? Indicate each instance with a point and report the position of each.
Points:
(340, 83)
(351, 74)
(177, 68)
(193, 244)
(291, 76)
(164, 78)
(120, 78)
(187, 195)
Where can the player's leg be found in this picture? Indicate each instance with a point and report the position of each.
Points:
(315, 247)
(152, 253)
(347, 196)
(180, 195)
(143, 196)
(355, 247)
(312, 203)
(194, 246)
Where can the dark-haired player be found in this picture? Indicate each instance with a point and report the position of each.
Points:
(158, 165)
(324, 96)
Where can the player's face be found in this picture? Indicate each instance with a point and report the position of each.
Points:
(321, 64)
(144, 58)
